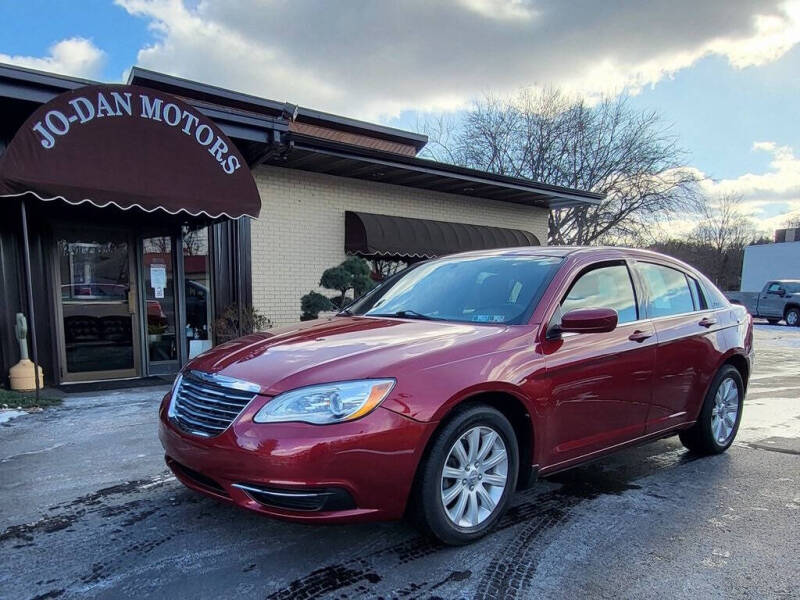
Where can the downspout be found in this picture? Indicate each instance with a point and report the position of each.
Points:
(29, 285)
(238, 273)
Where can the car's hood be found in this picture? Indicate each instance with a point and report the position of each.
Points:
(343, 348)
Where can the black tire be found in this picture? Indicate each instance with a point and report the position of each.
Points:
(773, 321)
(427, 498)
(700, 438)
(793, 317)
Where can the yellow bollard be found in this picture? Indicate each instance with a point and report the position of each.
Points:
(22, 376)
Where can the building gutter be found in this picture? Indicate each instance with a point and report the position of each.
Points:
(559, 197)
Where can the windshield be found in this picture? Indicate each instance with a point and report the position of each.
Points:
(478, 289)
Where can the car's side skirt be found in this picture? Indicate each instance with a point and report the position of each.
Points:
(598, 454)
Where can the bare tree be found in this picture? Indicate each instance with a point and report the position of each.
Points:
(383, 268)
(726, 231)
(195, 242)
(610, 148)
(792, 222)
(157, 245)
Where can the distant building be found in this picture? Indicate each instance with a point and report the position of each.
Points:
(787, 235)
(765, 262)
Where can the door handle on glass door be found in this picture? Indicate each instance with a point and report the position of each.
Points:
(639, 336)
(132, 301)
(706, 322)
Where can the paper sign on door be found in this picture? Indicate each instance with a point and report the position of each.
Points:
(158, 279)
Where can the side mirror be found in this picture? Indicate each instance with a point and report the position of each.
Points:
(589, 320)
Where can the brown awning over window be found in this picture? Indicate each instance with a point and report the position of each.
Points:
(128, 146)
(386, 236)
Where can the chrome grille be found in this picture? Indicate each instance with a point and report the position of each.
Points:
(206, 404)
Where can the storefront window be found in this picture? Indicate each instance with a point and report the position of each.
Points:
(196, 266)
(97, 321)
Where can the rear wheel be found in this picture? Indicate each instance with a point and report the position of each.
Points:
(716, 427)
(468, 477)
(793, 317)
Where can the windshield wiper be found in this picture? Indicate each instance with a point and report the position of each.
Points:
(345, 312)
(406, 314)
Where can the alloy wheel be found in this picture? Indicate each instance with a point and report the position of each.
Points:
(474, 476)
(725, 411)
(792, 318)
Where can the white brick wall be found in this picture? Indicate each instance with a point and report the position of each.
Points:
(301, 229)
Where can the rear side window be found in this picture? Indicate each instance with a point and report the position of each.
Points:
(669, 290)
(603, 287)
(714, 298)
(697, 294)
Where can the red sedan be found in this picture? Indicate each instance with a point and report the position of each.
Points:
(459, 380)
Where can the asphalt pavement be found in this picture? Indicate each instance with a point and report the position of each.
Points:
(88, 510)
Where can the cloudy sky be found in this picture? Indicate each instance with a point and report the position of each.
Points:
(723, 72)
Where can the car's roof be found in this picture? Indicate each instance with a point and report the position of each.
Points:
(563, 251)
(558, 251)
(597, 252)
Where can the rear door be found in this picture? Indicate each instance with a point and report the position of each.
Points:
(686, 355)
(600, 383)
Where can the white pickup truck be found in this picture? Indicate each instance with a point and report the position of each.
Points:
(780, 299)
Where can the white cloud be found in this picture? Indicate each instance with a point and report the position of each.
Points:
(768, 198)
(75, 56)
(376, 59)
(501, 9)
(774, 36)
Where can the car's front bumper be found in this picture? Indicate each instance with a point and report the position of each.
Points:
(359, 470)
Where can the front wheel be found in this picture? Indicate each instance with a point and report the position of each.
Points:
(793, 317)
(469, 475)
(716, 427)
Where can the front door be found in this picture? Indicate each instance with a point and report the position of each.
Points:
(600, 383)
(771, 302)
(97, 316)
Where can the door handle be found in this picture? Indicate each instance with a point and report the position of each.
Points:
(639, 336)
(706, 322)
(132, 301)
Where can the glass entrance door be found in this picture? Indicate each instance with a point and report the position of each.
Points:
(197, 275)
(158, 278)
(97, 305)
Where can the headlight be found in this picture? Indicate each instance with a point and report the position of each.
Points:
(326, 403)
(172, 394)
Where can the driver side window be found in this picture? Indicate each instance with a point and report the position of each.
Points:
(604, 287)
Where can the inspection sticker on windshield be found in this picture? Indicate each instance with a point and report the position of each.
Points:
(489, 318)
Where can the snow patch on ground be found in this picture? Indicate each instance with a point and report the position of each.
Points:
(785, 342)
(6, 414)
(780, 336)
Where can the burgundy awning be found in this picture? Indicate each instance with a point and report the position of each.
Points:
(128, 146)
(387, 236)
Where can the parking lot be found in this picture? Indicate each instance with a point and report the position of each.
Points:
(89, 510)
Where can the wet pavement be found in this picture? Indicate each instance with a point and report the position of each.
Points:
(88, 510)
